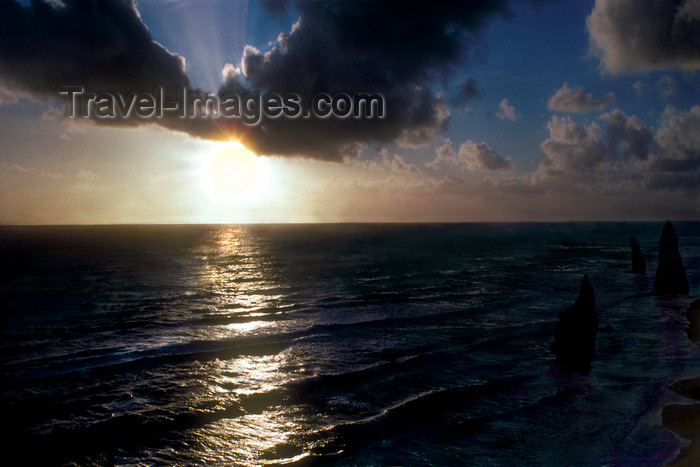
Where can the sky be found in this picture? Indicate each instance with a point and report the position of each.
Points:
(494, 111)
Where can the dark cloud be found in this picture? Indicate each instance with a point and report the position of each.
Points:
(645, 34)
(100, 44)
(468, 91)
(391, 47)
(577, 100)
(340, 46)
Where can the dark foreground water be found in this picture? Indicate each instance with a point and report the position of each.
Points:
(334, 344)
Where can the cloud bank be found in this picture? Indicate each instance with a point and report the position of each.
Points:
(390, 47)
(626, 156)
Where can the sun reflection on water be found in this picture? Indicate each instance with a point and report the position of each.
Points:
(244, 295)
(253, 439)
(242, 328)
(268, 428)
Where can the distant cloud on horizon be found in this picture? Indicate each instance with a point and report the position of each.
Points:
(628, 153)
(471, 156)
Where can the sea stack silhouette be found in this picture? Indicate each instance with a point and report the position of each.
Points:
(574, 336)
(693, 315)
(670, 276)
(638, 263)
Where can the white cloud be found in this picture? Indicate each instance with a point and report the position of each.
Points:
(623, 155)
(572, 146)
(471, 156)
(506, 111)
(577, 100)
(396, 162)
(678, 141)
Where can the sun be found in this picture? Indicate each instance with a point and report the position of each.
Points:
(233, 172)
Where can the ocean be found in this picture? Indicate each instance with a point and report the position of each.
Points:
(335, 344)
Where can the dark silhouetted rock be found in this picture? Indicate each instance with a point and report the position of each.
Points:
(670, 274)
(606, 328)
(638, 263)
(693, 315)
(574, 336)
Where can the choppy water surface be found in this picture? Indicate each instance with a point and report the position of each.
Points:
(334, 344)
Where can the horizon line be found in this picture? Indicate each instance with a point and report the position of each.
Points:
(166, 224)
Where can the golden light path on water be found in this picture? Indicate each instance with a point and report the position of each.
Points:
(265, 428)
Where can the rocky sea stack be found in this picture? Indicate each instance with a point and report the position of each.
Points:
(638, 263)
(670, 274)
(693, 315)
(574, 336)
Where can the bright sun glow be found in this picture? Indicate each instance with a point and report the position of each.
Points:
(233, 173)
(233, 170)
